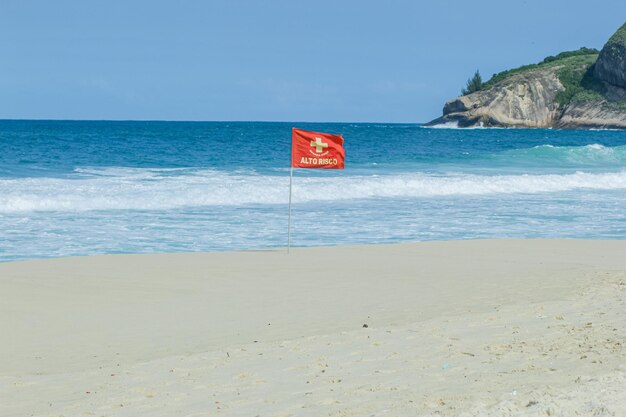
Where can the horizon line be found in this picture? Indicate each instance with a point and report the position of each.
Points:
(197, 121)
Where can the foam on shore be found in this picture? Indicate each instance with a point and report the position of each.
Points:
(156, 189)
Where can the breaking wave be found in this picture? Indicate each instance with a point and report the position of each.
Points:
(163, 189)
(455, 125)
(589, 155)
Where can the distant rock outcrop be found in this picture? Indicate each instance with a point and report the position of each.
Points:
(577, 89)
(523, 100)
(611, 65)
(590, 115)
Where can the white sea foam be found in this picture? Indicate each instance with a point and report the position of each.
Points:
(446, 125)
(593, 146)
(157, 189)
(593, 154)
(455, 125)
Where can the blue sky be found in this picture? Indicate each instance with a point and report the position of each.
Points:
(387, 61)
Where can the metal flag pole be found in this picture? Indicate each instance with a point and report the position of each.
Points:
(289, 222)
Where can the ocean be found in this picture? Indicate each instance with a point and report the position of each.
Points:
(73, 188)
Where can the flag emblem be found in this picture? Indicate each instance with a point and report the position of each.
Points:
(319, 145)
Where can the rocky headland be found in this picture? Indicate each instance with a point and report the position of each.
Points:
(573, 90)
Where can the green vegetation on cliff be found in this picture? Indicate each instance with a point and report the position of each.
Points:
(473, 84)
(575, 72)
(579, 83)
(616, 43)
(582, 57)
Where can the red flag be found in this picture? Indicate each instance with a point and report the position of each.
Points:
(316, 150)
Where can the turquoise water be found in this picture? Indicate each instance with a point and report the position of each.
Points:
(79, 188)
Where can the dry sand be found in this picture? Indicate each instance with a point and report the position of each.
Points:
(468, 328)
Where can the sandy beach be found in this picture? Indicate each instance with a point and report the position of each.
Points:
(458, 328)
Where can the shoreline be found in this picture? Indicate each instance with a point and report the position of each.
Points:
(436, 313)
(283, 249)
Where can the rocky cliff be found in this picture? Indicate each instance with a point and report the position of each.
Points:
(523, 100)
(577, 89)
(611, 65)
